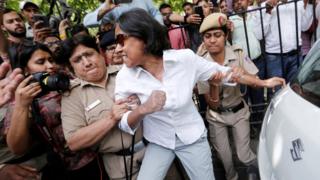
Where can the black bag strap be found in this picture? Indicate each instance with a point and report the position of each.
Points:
(128, 177)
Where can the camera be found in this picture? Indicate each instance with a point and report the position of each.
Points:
(57, 82)
(44, 20)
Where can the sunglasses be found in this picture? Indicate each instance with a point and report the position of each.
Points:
(121, 38)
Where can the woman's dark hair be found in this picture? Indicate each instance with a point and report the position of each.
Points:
(70, 45)
(138, 23)
(21, 54)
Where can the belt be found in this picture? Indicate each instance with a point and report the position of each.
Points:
(128, 151)
(231, 109)
(290, 53)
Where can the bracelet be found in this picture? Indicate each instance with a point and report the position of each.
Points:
(63, 36)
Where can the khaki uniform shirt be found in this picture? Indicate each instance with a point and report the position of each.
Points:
(88, 103)
(230, 96)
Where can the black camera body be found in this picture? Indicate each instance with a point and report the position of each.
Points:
(57, 82)
(44, 20)
(116, 2)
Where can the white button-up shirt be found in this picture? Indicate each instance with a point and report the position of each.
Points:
(182, 69)
(239, 36)
(288, 26)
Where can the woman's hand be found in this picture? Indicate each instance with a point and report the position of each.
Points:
(275, 81)
(237, 73)
(27, 91)
(216, 79)
(155, 102)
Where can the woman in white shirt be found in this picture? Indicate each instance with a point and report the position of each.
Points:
(163, 79)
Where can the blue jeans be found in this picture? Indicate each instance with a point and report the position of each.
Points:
(195, 158)
(256, 95)
(287, 68)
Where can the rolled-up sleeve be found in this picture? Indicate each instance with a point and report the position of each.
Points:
(123, 124)
(206, 69)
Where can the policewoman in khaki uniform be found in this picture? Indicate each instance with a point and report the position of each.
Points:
(226, 105)
(90, 116)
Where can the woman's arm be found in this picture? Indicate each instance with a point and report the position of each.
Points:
(155, 103)
(242, 77)
(18, 136)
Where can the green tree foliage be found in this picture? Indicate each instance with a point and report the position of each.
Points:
(175, 4)
(85, 6)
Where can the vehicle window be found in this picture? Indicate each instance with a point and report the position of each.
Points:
(307, 83)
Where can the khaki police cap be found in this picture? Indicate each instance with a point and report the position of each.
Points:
(214, 20)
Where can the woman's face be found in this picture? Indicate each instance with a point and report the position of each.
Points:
(131, 48)
(41, 61)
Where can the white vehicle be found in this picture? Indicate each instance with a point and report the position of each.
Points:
(289, 145)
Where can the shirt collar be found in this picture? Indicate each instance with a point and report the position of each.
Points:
(84, 83)
(169, 58)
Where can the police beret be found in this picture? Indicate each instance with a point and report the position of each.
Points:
(214, 20)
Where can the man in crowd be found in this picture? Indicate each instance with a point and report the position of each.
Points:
(239, 35)
(28, 9)
(116, 11)
(177, 35)
(284, 60)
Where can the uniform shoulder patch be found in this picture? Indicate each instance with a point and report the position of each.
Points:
(74, 83)
(237, 47)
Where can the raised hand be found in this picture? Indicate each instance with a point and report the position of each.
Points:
(8, 84)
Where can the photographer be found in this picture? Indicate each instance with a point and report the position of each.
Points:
(34, 118)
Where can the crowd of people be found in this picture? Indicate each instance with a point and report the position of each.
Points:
(119, 104)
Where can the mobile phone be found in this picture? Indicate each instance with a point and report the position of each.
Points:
(44, 19)
(116, 2)
(198, 10)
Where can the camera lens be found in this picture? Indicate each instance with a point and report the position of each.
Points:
(57, 82)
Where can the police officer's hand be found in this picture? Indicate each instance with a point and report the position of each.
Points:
(275, 81)
(118, 109)
(26, 91)
(19, 172)
(237, 73)
(8, 84)
(155, 102)
(133, 102)
(216, 79)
